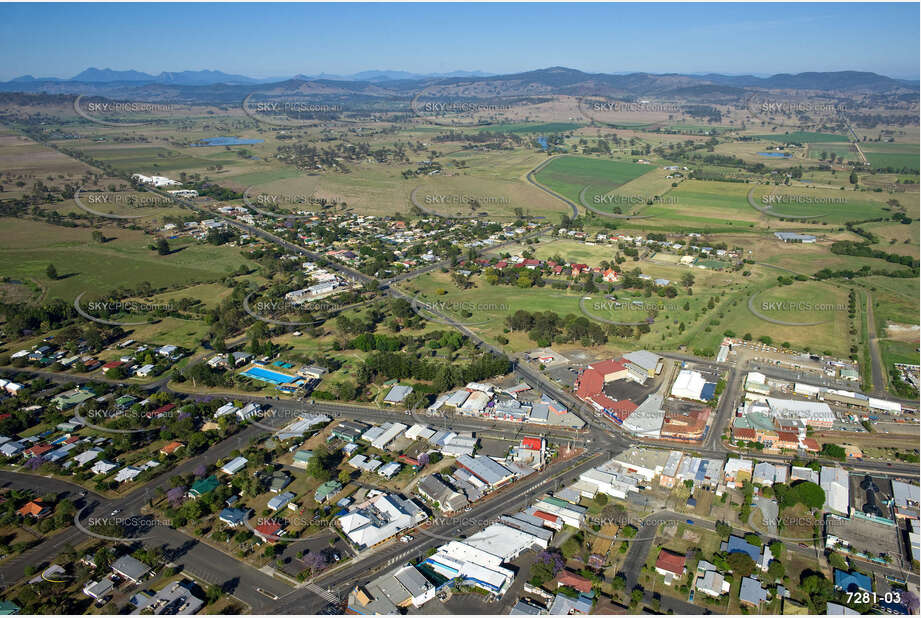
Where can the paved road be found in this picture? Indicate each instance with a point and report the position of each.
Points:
(876, 358)
(530, 178)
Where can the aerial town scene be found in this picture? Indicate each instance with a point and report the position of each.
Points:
(427, 309)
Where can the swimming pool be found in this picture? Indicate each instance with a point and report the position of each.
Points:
(266, 375)
(775, 154)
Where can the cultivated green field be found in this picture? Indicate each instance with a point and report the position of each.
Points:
(568, 175)
(896, 156)
(526, 127)
(802, 137)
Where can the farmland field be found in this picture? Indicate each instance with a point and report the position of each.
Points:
(27, 248)
(802, 137)
(568, 175)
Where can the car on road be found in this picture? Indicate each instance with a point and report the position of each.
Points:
(804, 546)
(406, 538)
(690, 521)
(115, 512)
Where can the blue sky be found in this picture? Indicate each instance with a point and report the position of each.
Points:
(266, 40)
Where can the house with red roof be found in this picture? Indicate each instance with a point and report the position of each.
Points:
(35, 508)
(611, 276)
(578, 269)
(269, 532)
(574, 581)
(501, 264)
(111, 365)
(531, 263)
(161, 410)
(670, 564)
(38, 450)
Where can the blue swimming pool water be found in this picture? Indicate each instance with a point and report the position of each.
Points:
(774, 154)
(266, 375)
(227, 141)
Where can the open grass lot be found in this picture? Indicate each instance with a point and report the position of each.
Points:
(844, 151)
(20, 155)
(802, 137)
(665, 330)
(496, 197)
(805, 301)
(568, 175)
(147, 159)
(27, 247)
(905, 237)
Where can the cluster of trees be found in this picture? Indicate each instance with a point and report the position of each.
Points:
(546, 327)
(863, 249)
(800, 492)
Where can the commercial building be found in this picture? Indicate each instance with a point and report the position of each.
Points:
(835, 482)
(379, 518)
(489, 471)
(692, 385)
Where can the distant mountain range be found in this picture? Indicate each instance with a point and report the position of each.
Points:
(206, 78)
(219, 87)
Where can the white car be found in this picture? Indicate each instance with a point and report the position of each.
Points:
(406, 538)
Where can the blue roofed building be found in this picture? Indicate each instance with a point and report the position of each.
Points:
(853, 581)
(738, 544)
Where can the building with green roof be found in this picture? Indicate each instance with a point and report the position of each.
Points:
(204, 486)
